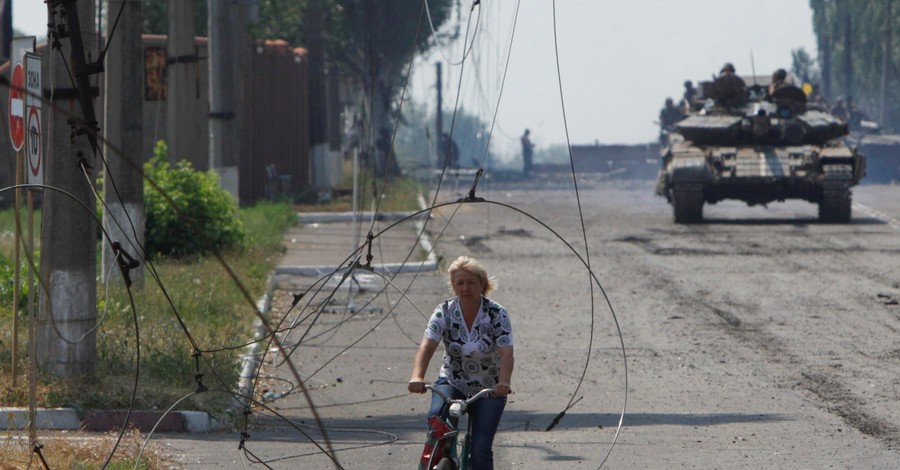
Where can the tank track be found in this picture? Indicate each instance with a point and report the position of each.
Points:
(835, 204)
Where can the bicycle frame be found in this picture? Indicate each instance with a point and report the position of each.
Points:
(456, 409)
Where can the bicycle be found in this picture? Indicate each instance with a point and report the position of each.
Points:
(440, 451)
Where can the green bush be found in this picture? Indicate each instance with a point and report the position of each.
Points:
(7, 282)
(190, 214)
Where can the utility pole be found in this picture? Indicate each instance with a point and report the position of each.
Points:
(318, 112)
(67, 316)
(848, 57)
(123, 180)
(439, 119)
(184, 115)
(226, 40)
(6, 29)
(886, 64)
(825, 54)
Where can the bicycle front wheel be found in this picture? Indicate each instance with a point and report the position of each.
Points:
(446, 463)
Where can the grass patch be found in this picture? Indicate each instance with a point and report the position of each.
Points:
(199, 316)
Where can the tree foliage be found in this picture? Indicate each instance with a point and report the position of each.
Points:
(868, 22)
(804, 66)
(283, 19)
(382, 35)
(418, 145)
(156, 19)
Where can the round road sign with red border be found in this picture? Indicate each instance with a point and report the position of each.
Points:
(34, 153)
(17, 107)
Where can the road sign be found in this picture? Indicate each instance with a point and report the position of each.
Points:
(17, 107)
(34, 173)
(34, 152)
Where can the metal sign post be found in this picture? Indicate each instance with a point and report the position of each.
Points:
(34, 174)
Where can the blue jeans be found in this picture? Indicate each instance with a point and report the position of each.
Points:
(485, 415)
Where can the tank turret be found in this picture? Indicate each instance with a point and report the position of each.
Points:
(782, 119)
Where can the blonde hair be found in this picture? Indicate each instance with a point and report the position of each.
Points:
(471, 265)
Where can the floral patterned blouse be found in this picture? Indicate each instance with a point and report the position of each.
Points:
(471, 359)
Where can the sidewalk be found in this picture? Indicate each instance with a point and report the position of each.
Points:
(322, 242)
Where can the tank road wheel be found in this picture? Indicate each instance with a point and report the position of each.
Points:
(688, 204)
(836, 202)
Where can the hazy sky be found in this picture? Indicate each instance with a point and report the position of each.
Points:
(619, 60)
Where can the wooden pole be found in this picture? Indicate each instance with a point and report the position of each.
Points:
(32, 340)
(16, 274)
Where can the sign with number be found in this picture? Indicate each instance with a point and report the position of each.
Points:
(34, 170)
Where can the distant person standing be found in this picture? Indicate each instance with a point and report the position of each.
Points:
(386, 161)
(527, 152)
(448, 152)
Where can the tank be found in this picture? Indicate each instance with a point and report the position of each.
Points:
(744, 144)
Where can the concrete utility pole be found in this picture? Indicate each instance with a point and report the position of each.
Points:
(6, 29)
(886, 65)
(226, 40)
(439, 118)
(123, 116)
(318, 110)
(848, 57)
(66, 339)
(184, 115)
(825, 54)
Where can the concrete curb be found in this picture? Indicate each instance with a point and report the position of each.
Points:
(251, 359)
(430, 263)
(325, 217)
(67, 419)
(45, 418)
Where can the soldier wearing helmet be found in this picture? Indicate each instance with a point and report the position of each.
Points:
(779, 80)
(730, 89)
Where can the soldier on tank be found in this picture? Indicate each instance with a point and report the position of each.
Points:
(689, 99)
(816, 100)
(839, 110)
(669, 116)
(730, 89)
(779, 80)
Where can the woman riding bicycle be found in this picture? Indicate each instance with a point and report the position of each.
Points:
(478, 354)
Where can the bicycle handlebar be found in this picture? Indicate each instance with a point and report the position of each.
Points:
(478, 395)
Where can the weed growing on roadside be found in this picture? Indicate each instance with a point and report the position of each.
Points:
(80, 451)
(206, 304)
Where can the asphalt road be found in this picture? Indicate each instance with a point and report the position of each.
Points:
(758, 339)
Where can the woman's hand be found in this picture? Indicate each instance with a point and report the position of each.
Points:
(420, 365)
(502, 390)
(416, 386)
